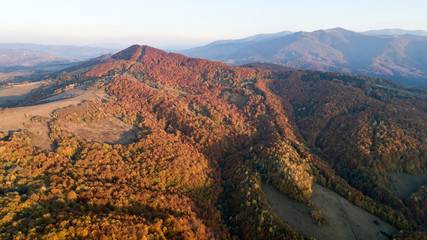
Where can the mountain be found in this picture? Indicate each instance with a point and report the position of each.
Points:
(156, 145)
(218, 50)
(397, 31)
(397, 57)
(22, 56)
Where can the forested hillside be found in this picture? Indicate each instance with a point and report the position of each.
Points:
(208, 135)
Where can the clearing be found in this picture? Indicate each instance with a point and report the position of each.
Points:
(17, 119)
(5, 77)
(16, 93)
(345, 220)
(111, 131)
(403, 184)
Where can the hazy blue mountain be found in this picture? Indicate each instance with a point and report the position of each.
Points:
(397, 31)
(218, 49)
(402, 58)
(24, 54)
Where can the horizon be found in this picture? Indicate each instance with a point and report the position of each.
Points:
(120, 46)
(178, 25)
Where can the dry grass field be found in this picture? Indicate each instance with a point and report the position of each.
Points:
(344, 219)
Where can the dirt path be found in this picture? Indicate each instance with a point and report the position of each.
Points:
(345, 220)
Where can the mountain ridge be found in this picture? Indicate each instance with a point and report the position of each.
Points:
(397, 57)
(397, 31)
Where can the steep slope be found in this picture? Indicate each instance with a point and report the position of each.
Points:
(208, 135)
(397, 57)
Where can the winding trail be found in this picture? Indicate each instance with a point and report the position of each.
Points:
(347, 218)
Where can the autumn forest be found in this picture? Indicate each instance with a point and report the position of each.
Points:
(206, 136)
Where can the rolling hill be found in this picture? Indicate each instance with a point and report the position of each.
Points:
(396, 55)
(156, 145)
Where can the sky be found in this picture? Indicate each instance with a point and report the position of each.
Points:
(189, 23)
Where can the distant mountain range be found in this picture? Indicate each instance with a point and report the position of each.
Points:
(395, 54)
(397, 31)
(16, 56)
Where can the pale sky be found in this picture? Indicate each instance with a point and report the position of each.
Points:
(182, 23)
